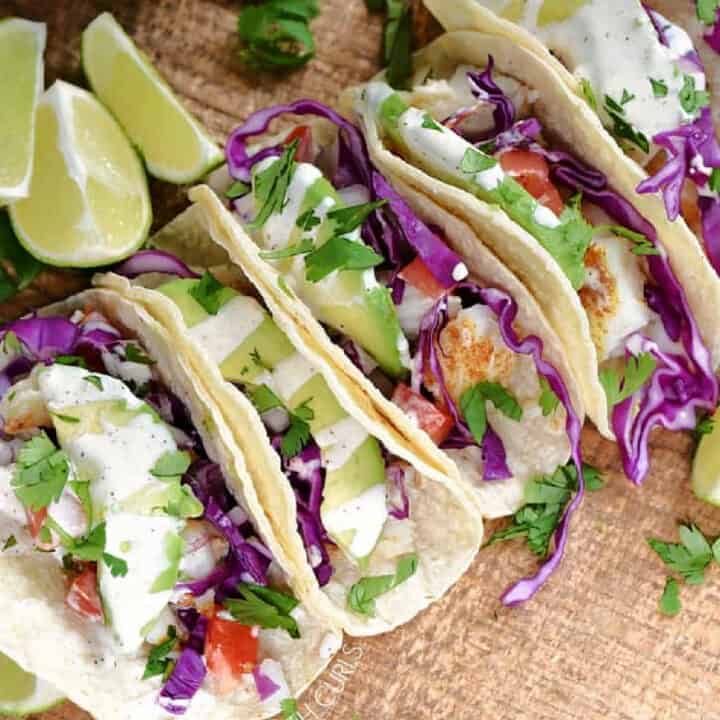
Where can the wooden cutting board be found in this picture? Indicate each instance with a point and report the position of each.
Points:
(592, 644)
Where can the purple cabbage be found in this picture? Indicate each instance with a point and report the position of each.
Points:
(710, 212)
(396, 474)
(196, 625)
(306, 476)
(445, 265)
(691, 61)
(154, 261)
(44, 337)
(495, 465)
(484, 88)
(184, 681)
(521, 133)
(264, 684)
(713, 37)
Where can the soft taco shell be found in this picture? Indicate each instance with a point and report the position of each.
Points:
(42, 635)
(444, 548)
(567, 118)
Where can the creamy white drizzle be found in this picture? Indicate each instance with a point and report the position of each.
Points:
(339, 442)
(290, 374)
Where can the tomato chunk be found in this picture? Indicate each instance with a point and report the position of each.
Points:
(436, 421)
(231, 650)
(83, 596)
(305, 151)
(419, 276)
(532, 172)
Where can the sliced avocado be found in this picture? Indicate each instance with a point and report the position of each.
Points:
(263, 349)
(192, 311)
(322, 401)
(88, 419)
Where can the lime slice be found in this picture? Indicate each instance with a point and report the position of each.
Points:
(706, 464)
(175, 146)
(22, 44)
(22, 693)
(89, 203)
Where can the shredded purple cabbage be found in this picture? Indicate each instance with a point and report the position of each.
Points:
(691, 61)
(265, 685)
(396, 474)
(495, 465)
(713, 37)
(484, 88)
(154, 261)
(505, 310)
(196, 625)
(184, 681)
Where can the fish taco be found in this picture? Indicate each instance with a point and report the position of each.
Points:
(143, 578)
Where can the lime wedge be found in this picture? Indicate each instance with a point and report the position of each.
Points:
(22, 693)
(175, 146)
(89, 203)
(706, 464)
(22, 44)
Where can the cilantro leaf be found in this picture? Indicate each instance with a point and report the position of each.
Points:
(626, 97)
(707, 11)
(289, 709)
(208, 293)
(659, 87)
(670, 604)
(158, 661)
(429, 123)
(689, 558)
(276, 35)
(472, 406)
(75, 360)
(546, 497)
(173, 463)
(264, 399)
(9, 543)
(71, 419)
(41, 473)
(548, 400)
(339, 253)
(638, 370)
(95, 380)
(622, 129)
(704, 426)
(362, 595)
(270, 185)
(351, 217)
(25, 266)
(133, 353)
(263, 606)
(588, 93)
(298, 433)
(300, 248)
(308, 220)
(474, 161)
(641, 243)
(89, 548)
(691, 99)
(398, 43)
(117, 566)
(237, 189)
(714, 182)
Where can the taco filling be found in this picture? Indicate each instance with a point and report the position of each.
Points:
(474, 129)
(101, 467)
(398, 300)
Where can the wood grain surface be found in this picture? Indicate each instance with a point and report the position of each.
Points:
(592, 644)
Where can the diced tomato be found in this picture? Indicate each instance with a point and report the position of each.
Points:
(83, 596)
(304, 152)
(436, 421)
(419, 276)
(231, 650)
(35, 520)
(533, 173)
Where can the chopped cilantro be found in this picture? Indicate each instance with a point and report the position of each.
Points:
(24, 266)
(689, 557)
(75, 360)
(263, 606)
(362, 595)
(339, 253)
(289, 709)
(430, 124)
(659, 87)
(41, 473)
(9, 543)
(622, 129)
(308, 220)
(714, 181)
(208, 292)
(472, 406)
(298, 433)
(133, 353)
(691, 99)
(474, 161)
(237, 189)
(626, 97)
(397, 39)
(641, 243)
(276, 34)
(299, 248)
(117, 566)
(173, 463)
(258, 361)
(548, 399)
(638, 370)
(546, 497)
(158, 660)
(670, 599)
(66, 418)
(95, 380)
(350, 217)
(588, 93)
(270, 185)
(704, 426)
(707, 11)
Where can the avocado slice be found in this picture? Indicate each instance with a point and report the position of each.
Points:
(192, 311)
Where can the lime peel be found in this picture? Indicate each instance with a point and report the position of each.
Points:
(22, 693)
